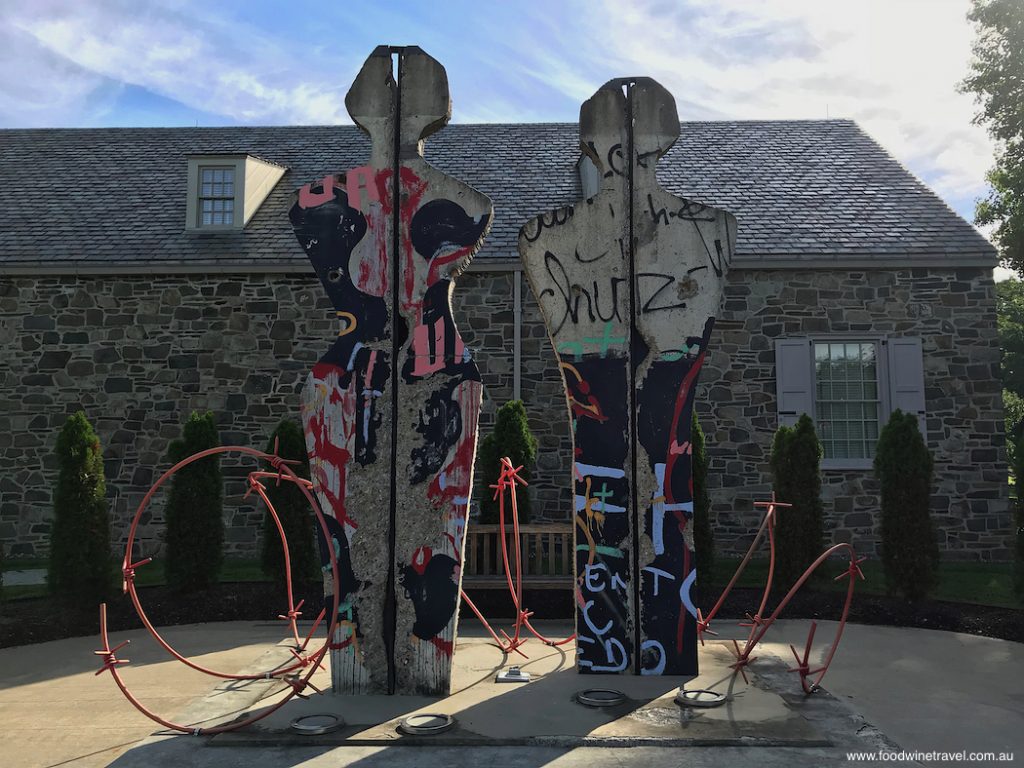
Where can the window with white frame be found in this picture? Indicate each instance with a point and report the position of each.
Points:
(847, 401)
(216, 196)
(849, 386)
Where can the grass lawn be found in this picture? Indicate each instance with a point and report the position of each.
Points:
(234, 569)
(977, 583)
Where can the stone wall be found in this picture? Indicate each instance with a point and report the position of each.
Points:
(484, 309)
(139, 352)
(952, 311)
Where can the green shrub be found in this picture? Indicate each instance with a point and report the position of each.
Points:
(511, 437)
(703, 538)
(293, 511)
(195, 514)
(903, 465)
(80, 568)
(796, 468)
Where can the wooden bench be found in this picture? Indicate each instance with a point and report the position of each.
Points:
(547, 556)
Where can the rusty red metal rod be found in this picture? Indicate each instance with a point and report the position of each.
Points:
(507, 479)
(286, 473)
(759, 625)
(311, 662)
(704, 623)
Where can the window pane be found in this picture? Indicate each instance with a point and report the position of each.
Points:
(218, 218)
(846, 389)
(229, 218)
(207, 175)
(206, 219)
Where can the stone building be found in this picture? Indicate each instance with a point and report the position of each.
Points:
(145, 273)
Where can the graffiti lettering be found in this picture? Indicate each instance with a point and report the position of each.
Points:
(688, 211)
(571, 294)
(546, 221)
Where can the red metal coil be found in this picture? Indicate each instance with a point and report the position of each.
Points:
(310, 662)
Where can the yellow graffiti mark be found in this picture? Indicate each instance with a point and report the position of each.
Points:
(352, 323)
(593, 515)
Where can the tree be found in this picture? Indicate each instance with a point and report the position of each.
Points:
(997, 82)
(510, 437)
(1010, 322)
(293, 511)
(799, 529)
(80, 569)
(903, 465)
(195, 514)
(703, 537)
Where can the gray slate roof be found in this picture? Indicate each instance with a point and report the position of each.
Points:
(817, 190)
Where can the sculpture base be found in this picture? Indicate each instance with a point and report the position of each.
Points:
(542, 713)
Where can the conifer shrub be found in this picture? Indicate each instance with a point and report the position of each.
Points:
(799, 529)
(80, 568)
(195, 510)
(293, 511)
(510, 437)
(703, 538)
(903, 466)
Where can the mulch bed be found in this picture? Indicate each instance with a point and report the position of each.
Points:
(42, 619)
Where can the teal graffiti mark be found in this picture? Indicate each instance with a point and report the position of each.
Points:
(600, 549)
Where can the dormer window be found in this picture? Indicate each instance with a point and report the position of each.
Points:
(217, 196)
(225, 191)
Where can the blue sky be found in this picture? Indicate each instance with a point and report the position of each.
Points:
(892, 65)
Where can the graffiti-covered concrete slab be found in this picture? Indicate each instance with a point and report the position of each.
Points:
(629, 282)
(390, 410)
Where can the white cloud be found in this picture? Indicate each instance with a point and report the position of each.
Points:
(892, 65)
(183, 53)
(40, 88)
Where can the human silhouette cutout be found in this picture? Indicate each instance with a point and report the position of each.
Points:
(629, 282)
(390, 410)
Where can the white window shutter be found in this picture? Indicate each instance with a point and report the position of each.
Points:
(794, 380)
(906, 377)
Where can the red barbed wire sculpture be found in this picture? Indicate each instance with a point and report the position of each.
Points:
(296, 674)
(759, 624)
(508, 479)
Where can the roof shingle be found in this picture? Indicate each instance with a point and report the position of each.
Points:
(817, 190)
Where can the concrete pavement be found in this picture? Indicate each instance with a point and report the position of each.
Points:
(923, 690)
(56, 711)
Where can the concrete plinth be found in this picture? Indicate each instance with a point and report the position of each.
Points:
(543, 712)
